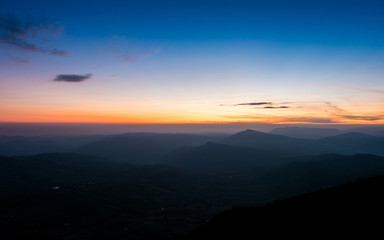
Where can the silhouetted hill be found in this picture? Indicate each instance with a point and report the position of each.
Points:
(141, 148)
(24, 174)
(149, 148)
(353, 143)
(270, 142)
(374, 131)
(348, 143)
(70, 196)
(311, 173)
(306, 132)
(22, 145)
(352, 210)
(350, 138)
(213, 157)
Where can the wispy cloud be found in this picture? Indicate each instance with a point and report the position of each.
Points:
(308, 120)
(135, 57)
(282, 119)
(334, 107)
(380, 91)
(19, 34)
(362, 117)
(342, 114)
(328, 111)
(73, 78)
(124, 50)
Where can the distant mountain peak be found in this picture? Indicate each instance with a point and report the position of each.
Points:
(209, 144)
(306, 132)
(250, 131)
(352, 136)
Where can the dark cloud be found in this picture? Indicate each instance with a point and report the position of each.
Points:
(18, 33)
(270, 107)
(253, 104)
(72, 77)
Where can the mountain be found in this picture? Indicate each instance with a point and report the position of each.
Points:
(347, 143)
(220, 157)
(271, 142)
(28, 146)
(69, 196)
(347, 211)
(375, 131)
(305, 132)
(31, 145)
(311, 173)
(24, 174)
(141, 148)
(353, 143)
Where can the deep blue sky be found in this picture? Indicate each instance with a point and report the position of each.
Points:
(192, 61)
(353, 22)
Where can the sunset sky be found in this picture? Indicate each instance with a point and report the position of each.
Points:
(141, 61)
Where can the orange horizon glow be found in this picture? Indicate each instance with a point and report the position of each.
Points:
(165, 121)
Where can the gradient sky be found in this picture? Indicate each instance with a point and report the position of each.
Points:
(139, 61)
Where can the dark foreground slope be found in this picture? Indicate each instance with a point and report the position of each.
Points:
(69, 196)
(350, 210)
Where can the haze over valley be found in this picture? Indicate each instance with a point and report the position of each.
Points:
(191, 119)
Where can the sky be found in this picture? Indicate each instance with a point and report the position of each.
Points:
(192, 62)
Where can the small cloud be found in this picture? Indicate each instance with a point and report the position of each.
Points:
(19, 34)
(72, 77)
(135, 57)
(253, 104)
(129, 57)
(123, 50)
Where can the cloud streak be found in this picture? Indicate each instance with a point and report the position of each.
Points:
(308, 120)
(73, 78)
(18, 33)
(380, 91)
(284, 119)
(364, 117)
(307, 112)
